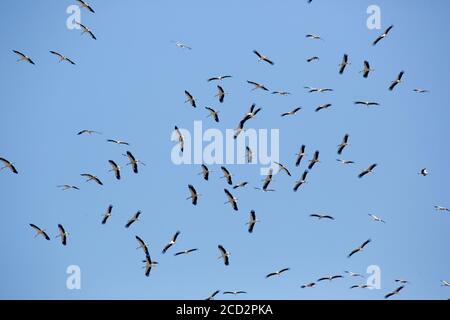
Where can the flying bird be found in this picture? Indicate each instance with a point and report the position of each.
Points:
(180, 138)
(277, 273)
(149, 264)
(361, 286)
(87, 131)
(220, 94)
(252, 221)
(224, 254)
(23, 57)
(283, 168)
(382, 36)
(395, 292)
(64, 187)
(194, 195)
(257, 85)
(308, 285)
(345, 161)
(115, 168)
(85, 5)
(227, 175)
(9, 165)
(367, 103)
(439, 208)
(396, 81)
(133, 161)
(360, 248)
(142, 245)
(343, 144)
(219, 78)
(205, 172)
(318, 90)
(107, 214)
(445, 283)
(376, 218)
(423, 172)
(86, 30)
(291, 113)
(330, 278)
(281, 93)
(133, 219)
(368, 170)
(343, 64)
(118, 142)
(213, 114)
(313, 37)
(418, 90)
(321, 216)
(301, 181)
(62, 234)
(171, 242)
(313, 58)
(323, 106)
(182, 45)
(300, 155)
(62, 58)
(187, 251)
(190, 98)
(234, 292)
(91, 177)
(402, 281)
(231, 200)
(211, 297)
(366, 69)
(240, 185)
(267, 180)
(314, 160)
(354, 274)
(39, 231)
(263, 58)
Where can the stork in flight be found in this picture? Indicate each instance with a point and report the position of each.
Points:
(440, 208)
(227, 175)
(220, 94)
(133, 161)
(277, 273)
(257, 85)
(418, 90)
(212, 295)
(367, 103)
(39, 231)
(330, 278)
(87, 131)
(323, 106)
(182, 45)
(361, 286)
(115, 167)
(190, 98)
(235, 292)
(91, 177)
(395, 292)
(291, 113)
(213, 114)
(9, 165)
(343, 144)
(318, 90)
(224, 254)
(383, 35)
(107, 214)
(86, 30)
(313, 58)
(321, 216)
(283, 168)
(396, 81)
(149, 264)
(171, 242)
(300, 155)
(402, 281)
(343, 64)
(142, 245)
(240, 185)
(308, 285)
(345, 161)
(354, 274)
(187, 251)
(281, 93)
(118, 142)
(423, 172)
(194, 195)
(313, 37)
(23, 57)
(252, 221)
(376, 218)
(231, 200)
(63, 234)
(360, 248)
(263, 58)
(180, 139)
(314, 160)
(445, 283)
(62, 58)
(133, 219)
(366, 69)
(205, 172)
(64, 187)
(301, 181)
(85, 5)
(218, 78)
(368, 170)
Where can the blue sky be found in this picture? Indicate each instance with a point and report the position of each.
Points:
(129, 85)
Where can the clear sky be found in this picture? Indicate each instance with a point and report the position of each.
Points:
(129, 85)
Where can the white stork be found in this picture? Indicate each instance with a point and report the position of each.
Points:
(224, 254)
(190, 98)
(9, 165)
(62, 58)
(107, 214)
(376, 218)
(91, 177)
(257, 85)
(323, 106)
(171, 242)
(252, 221)
(231, 199)
(291, 113)
(300, 155)
(187, 251)
(180, 138)
(396, 81)
(118, 142)
(213, 113)
(85, 5)
(87, 131)
(382, 36)
(133, 161)
(314, 160)
(64, 187)
(23, 57)
(39, 231)
(395, 292)
(343, 144)
(366, 69)
(263, 58)
(368, 170)
(115, 167)
(86, 30)
(343, 64)
(301, 181)
(63, 234)
(277, 273)
(194, 195)
(360, 248)
(218, 78)
(133, 219)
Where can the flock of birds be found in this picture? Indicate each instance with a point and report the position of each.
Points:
(224, 254)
